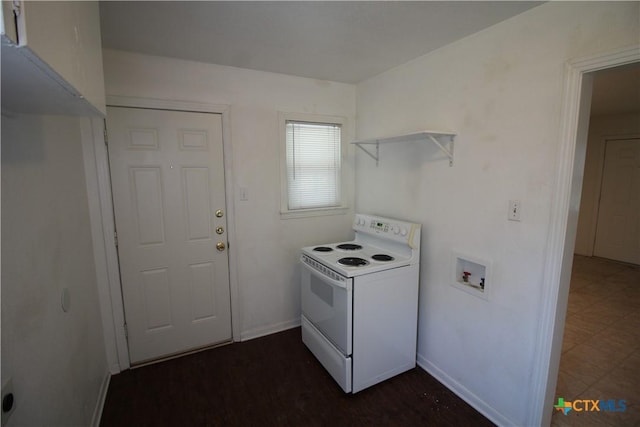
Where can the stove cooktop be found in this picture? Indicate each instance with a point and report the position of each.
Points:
(379, 244)
(355, 258)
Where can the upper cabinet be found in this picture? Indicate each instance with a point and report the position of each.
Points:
(52, 58)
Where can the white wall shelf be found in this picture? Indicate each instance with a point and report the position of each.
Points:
(443, 140)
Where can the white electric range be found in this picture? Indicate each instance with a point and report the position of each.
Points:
(360, 302)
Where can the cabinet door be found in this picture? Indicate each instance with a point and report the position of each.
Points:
(8, 22)
(66, 36)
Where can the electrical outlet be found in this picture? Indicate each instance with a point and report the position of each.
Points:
(515, 207)
(8, 401)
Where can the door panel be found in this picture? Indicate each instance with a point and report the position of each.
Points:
(196, 202)
(168, 179)
(618, 227)
(146, 188)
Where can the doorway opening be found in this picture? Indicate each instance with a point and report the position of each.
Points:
(599, 353)
(561, 238)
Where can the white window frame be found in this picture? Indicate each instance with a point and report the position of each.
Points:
(342, 208)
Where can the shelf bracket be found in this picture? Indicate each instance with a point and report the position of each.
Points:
(448, 152)
(376, 156)
(438, 138)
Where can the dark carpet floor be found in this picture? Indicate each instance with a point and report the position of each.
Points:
(273, 381)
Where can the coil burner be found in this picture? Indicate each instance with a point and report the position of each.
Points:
(353, 261)
(349, 247)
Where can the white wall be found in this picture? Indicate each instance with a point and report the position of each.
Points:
(500, 90)
(266, 246)
(56, 359)
(600, 128)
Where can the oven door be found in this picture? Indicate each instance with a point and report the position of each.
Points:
(327, 303)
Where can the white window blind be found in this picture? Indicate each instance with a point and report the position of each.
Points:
(313, 165)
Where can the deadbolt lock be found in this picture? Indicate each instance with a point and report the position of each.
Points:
(219, 230)
(220, 246)
(219, 213)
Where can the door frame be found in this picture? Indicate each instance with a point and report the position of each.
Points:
(103, 221)
(563, 226)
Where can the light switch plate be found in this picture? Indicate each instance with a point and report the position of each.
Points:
(244, 194)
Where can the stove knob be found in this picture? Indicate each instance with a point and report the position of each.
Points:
(395, 229)
(403, 232)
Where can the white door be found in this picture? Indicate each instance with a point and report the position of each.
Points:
(618, 229)
(168, 184)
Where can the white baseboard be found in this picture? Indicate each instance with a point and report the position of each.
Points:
(463, 393)
(270, 329)
(115, 369)
(102, 396)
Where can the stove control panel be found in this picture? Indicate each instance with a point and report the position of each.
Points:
(380, 226)
(388, 228)
(377, 225)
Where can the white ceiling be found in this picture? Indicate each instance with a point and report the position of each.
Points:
(344, 41)
(341, 41)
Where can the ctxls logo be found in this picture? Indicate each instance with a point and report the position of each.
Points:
(588, 405)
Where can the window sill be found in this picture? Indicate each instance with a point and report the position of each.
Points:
(305, 213)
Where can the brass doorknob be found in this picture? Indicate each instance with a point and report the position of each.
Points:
(220, 246)
(219, 230)
(219, 213)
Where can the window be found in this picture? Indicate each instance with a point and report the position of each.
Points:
(312, 173)
(313, 165)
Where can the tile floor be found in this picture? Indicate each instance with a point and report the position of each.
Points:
(601, 345)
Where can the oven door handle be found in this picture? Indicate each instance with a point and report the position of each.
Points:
(324, 278)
